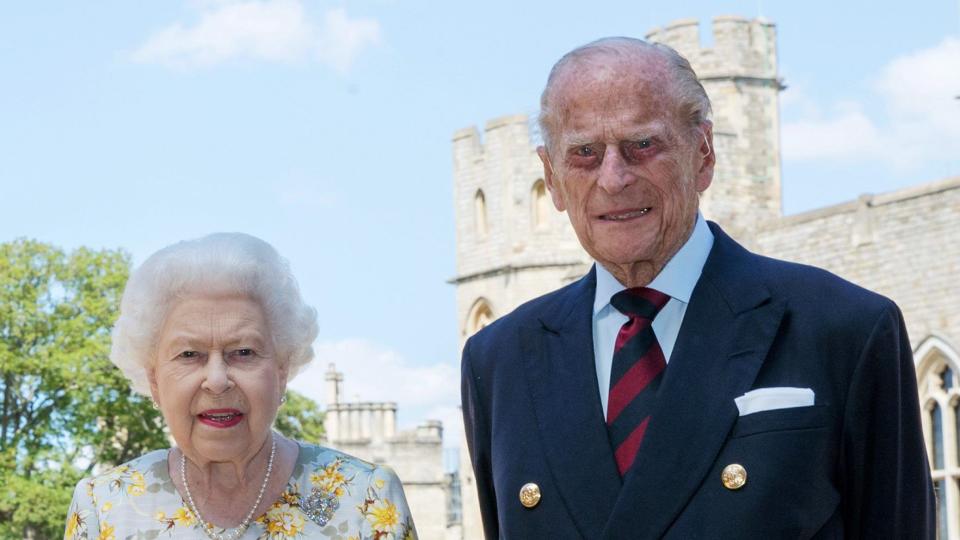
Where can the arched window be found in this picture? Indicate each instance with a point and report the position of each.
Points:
(480, 214)
(937, 365)
(480, 316)
(936, 430)
(539, 206)
(956, 431)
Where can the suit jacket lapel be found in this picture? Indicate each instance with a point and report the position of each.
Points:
(726, 334)
(562, 378)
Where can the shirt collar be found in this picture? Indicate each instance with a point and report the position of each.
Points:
(678, 277)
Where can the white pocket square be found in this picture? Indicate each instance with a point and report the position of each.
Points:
(768, 399)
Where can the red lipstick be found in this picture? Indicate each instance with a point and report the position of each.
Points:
(220, 418)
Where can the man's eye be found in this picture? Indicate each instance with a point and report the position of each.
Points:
(637, 150)
(584, 151)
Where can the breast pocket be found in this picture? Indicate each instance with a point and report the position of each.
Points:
(794, 418)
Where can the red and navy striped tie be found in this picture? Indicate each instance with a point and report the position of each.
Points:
(638, 365)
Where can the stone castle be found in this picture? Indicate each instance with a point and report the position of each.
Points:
(369, 431)
(512, 245)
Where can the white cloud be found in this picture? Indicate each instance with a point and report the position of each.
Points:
(920, 120)
(374, 373)
(265, 30)
(849, 134)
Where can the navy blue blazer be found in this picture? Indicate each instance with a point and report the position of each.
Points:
(851, 466)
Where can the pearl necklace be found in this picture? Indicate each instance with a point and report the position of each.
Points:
(208, 527)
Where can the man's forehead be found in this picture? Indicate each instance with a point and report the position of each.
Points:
(644, 70)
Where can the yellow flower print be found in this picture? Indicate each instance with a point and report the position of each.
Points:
(380, 483)
(138, 485)
(384, 517)
(160, 516)
(106, 532)
(290, 498)
(106, 507)
(184, 517)
(75, 524)
(283, 521)
(330, 480)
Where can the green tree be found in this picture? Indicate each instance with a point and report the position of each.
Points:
(300, 418)
(65, 408)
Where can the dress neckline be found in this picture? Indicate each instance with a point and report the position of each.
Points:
(163, 474)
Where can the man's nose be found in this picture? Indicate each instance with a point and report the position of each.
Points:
(615, 175)
(216, 377)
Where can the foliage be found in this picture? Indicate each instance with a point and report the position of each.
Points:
(300, 418)
(64, 407)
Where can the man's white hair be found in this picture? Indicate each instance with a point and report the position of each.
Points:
(221, 263)
(689, 93)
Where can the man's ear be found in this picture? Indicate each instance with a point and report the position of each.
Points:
(550, 180)
(708, 157)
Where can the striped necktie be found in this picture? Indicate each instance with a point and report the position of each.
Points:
(638, 365)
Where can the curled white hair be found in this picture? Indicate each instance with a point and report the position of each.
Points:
(221, 263)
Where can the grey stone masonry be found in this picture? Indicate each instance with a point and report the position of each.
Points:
(905, 245)
(739, 74)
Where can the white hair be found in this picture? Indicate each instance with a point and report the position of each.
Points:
(689, 93)
(221, 263)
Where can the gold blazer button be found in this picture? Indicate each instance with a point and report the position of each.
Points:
(734, 476)
(530, 495)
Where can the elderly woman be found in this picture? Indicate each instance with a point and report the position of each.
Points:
(213, 329)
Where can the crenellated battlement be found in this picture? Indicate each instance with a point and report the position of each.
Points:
(506, 134)
(742, 48)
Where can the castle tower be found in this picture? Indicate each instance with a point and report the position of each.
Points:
(739, 74)
(512, 244)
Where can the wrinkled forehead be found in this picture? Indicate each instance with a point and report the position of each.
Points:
(638, 91)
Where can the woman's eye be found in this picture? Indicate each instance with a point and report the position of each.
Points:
(584, 151)
(243, 352)
(188, 354)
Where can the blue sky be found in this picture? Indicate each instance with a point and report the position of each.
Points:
(324, 128)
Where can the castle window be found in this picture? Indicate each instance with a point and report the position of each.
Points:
(480, 214)
(942, 515)
(540, 206)
(480, 316)
(937, 364)
(936, 426)
(956, 430)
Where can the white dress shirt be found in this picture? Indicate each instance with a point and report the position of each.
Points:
(677, 279)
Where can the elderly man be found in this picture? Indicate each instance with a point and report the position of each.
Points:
(684, 388)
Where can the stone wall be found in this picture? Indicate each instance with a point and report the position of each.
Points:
(367, 430)
(905, 245)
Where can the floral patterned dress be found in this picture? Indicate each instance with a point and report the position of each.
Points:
(329, 495)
